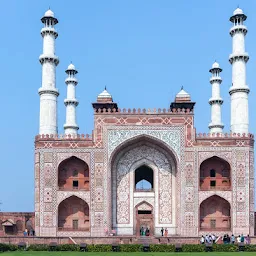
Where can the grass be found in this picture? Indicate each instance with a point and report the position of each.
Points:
(30, 253)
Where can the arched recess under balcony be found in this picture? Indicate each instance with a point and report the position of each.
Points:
(73, 174)
(215, 214)
(215, 174)
(73, 215)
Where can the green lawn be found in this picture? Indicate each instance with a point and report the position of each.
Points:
(30, 253)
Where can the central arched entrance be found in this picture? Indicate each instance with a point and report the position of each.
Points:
(143, 170)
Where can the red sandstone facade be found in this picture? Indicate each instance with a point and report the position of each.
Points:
(86, 185)
(80, 189)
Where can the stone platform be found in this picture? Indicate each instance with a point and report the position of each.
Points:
(105, 240)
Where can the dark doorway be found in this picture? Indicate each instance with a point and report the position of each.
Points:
(144, 220)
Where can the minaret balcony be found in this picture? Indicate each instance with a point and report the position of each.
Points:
(211, 126)
(71, 102)
(71, 80)
(53, 91)
(215, 101)
(215, 79)
(238, 56)
(70, 126)
(49, 31)
(47, 58)
(239, 89)
(238, 29)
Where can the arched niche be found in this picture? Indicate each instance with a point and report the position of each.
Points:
(73, 174)
(73, 215)
(215, 214)
(215, 174)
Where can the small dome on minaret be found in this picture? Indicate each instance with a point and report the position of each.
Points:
(104, 96)
(182, 96)
(71, 67)
(238, 11)
(215, 65)
(49, 13)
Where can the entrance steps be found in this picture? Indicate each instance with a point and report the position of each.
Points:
(145, 240)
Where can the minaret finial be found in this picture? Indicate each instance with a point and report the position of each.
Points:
(182, 87)
(105, 87)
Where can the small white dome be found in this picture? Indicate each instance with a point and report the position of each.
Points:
(182, 94)
(104, 94)
(215, 65)
(49, 13)
(238, 11)
(71, 67)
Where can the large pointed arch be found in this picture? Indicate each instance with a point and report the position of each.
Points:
(146, 139)
(73, 215)
(126, 158)
(215, 174)
(215, 214)
(73, 174)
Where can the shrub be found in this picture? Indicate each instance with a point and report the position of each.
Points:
(162, 248)
(8, 247)
(131, 247)
(99, 248)
(225, 248)
(250, 248)
(68, 247)
(193, 248)
(38, 247)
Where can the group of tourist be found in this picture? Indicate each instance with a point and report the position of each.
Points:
(144, 231)
(208, 239)
(164, 232)
(232, 239)
(226, 239)
(30, 232)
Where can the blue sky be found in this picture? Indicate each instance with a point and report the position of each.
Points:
(144, 51)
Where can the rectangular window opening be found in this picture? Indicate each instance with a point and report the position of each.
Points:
(213, 183)
(144, 212)
(75, 224)
(75, 184)
(213, 223)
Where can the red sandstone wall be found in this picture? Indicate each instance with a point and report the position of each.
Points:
(19, 218)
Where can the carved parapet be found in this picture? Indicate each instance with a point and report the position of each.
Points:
(53, 137)
(224, 135)
(139, 111)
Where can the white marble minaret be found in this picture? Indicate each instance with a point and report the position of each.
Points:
(239, 90)
(216, 126)
(71, 102)
(48, 92)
